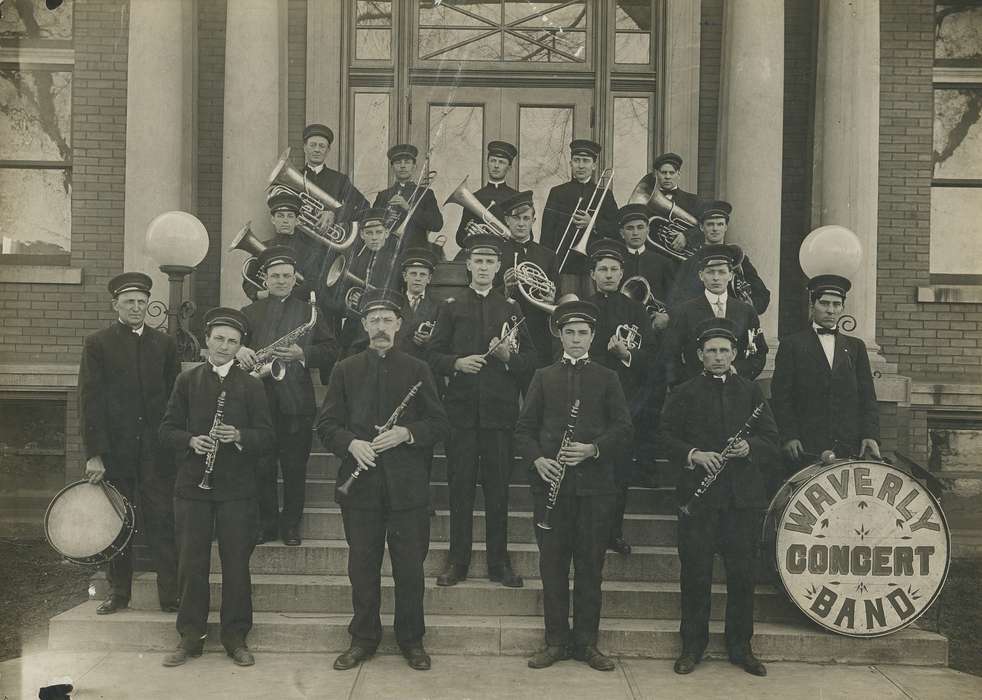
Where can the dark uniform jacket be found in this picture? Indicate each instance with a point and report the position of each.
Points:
(489, 195)
(560, 205)
(538, 320)
(688, 285)
(603, 420)
(616, 309)
(686, 200)
(123, 384)
(680, 359)
(658, 270)
(426, 217)
(703, 413)
(310, 256)
(364, 391)
(426, 310)
(272, 318)
(341, 188)
(464, 326)
(191, 411)
(826, 408)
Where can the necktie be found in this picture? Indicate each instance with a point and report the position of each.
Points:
(719, 310)
(414, 302)
(826, 331)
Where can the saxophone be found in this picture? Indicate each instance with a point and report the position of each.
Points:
(269, 366)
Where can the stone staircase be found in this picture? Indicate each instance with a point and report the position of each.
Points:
(302, 598)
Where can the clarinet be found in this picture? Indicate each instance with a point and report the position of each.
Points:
(710, 478)
(389, 424)
(553, 496)
(213, 452)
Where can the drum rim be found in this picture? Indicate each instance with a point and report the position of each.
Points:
(115, 547)
(935, 501)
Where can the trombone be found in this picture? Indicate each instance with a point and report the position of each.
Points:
(604, 183)
(489, 222)
(393, 213)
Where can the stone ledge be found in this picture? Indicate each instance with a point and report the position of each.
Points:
(946, 394)
(950, 294)
(40, 274)
(38, 377)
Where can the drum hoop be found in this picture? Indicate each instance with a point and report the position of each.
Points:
(127, 517)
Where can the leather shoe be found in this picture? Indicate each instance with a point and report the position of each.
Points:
(685, 664)
(242, 656)
(351, 658)
(506, 577)
(548, 656)
(179, 656)
(619, 545)
(417, 657)
(596, 660)
(452, 575)
(112, 604)
(292, 537)
(750, 663)
(266, 536)
(170, 607)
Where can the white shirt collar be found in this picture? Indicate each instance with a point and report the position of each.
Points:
(138, 331)
(480, 293)
(636, 251)
(713, 299)
(222, 370)
(317, 168)
(583, 358)
(496, 183)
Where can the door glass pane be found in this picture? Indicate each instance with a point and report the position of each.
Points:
(544, 134)
(35, 211)
(631, 144)
(456, 140)
(371, 141)
(958, 133)
(373, 30)
(632, 22)
(955, 215)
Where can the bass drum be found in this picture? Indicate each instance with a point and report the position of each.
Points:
(861, 547)
(89, 523)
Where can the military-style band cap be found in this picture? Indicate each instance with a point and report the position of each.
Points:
(277, 255)
(731, 255)
(381, 299)
(318, 130)
(419, 257)
(502, 149)
(828, 284)
(130, 282)
(716, 208)
(607, 248)
(716, 328)
(632, 212)
(673, 159)
(483, 243)
(374, 214)
(227, 316)
(517, 201)
(585, 147)
(402, 150)
(283, 201)
(576, 311)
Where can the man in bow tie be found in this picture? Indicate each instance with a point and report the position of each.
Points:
(822, 390)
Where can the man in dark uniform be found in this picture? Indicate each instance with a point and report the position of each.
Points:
(822, 391)
(665, 177)
(642, 261)
(746, 285)
(716, 271)
(290, 397)
(398, 199)
(580, 518)
(389, 500)
(630, 358)
(237, 438)
(420, 307)
(485, 378)
(697, 425)
(126, 374)
(519, 216)
(568, 202)
(317, 142)
(501, 154)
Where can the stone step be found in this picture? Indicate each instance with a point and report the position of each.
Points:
(145, 630)
(639, 528)
(332, 594)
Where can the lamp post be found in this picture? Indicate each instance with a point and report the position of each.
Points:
(178, 242)
(832, 250)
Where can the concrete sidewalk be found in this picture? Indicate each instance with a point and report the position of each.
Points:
(126, 675)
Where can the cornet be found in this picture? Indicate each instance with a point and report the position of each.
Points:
(629, 335)
(489, 223)
(604, 183)
(425, 329)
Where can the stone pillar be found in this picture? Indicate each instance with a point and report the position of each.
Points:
(159, 124)
(254, 126)
(681, 132)
(751, 127)
(847, 132)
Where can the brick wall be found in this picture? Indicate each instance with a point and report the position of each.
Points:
(710, 58)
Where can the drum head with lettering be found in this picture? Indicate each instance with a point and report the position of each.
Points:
(862, 548)
(81, 521)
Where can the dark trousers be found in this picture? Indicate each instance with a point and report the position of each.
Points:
(624, 475)
(235, 524)
(152, 497)
(294, 435)
(733, 533)
(408, 535)
(489, 453)
(580, 531)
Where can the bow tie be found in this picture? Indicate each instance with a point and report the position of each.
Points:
(821, 330)
(575, 364)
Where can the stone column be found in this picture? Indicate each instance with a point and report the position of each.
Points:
(751, 127)
(681, 132)
(254, 124)
(847, 131)
(159, 124)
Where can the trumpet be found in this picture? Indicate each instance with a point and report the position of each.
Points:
(489, 223)
(668, 220)
(629, 335)
(338, 271)
(639, 289)
(592, 208)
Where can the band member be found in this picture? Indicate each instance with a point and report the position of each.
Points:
(566, 208)
(580, 454)
(746, 285)
(716, 272)
(403, 195)
(629, 355)
(218, 423)
(501, 155)
(370, 417)
(664, 176)
(317, 142)
(487, 364)
(420, 308)
(126, 374)
(519, 216)
(822, 391)
(699, 417)
(641, 261)
(281, 324)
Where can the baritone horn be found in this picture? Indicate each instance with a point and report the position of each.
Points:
(339, 271)
(668, 220)
(489, 222)
(246, 241)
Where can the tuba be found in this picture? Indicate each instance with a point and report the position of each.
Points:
(339, 271)
(668, 219)
(604, 183)
(246, 241)
(489, 222)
